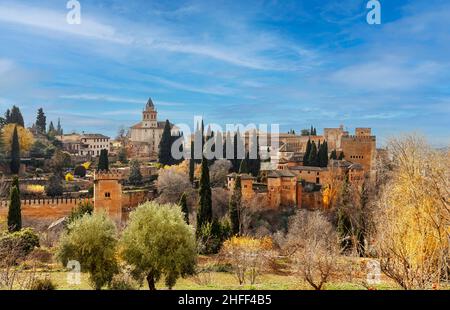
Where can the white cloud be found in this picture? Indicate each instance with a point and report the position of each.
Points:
(56, 21)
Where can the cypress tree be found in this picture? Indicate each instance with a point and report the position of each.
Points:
(14, 212)
(41, 121)
(15, 152)
(135, 177)
(103, 161)
(307, 152)
(311, 131)
(15, 182)
(333, 155)
(192, 164)
(237, 144)
(14, 116)
(184, 207)
(254, 165)
(234, 206)
(165, 145)
(341, 156)
(51, 129)
(243, 167)
(323, 155)
(59, 129)
(312, 158)
(204, 210)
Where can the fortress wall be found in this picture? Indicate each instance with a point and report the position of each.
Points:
(44, 209)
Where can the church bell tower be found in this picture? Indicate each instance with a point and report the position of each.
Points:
(149, 115)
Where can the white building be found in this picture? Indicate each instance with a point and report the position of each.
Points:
(85, 144)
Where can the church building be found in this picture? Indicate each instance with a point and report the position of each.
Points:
(146, 134)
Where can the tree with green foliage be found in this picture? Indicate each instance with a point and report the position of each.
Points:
(15, 153)
(14, 210)
(333, 154)
(307, 152)
(243, 168)
(80, 171)
(238, 144)
(312, 158)
(165, 146)
(15, 182)
(54, 187)
(204, 210)
(14, 116)
(184, 207)
(51, 130)
(322, 155)
(234, 206)
(122, 156)
(135, 177)
(41, 121)
(92, 241)
(254, 164)
(59, 129)
(78, 212)
(17, 245)
(158, 243)
(103, 161)
(38, 149)
(341, 156)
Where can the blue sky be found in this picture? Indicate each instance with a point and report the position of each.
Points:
(294, 63)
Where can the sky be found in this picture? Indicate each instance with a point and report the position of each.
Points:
(292, 63)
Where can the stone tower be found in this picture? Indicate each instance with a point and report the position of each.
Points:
(108, 193)
(149, 116)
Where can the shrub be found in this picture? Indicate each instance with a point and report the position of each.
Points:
(18, 245)
(44, 284)
(86, 165)
(80, 171)
(211, 236)
(83, 208)
(69, 177)
(54, 187)
(91, 240)
(123, 282)
(35, 189)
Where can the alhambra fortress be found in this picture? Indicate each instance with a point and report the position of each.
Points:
(284, 179)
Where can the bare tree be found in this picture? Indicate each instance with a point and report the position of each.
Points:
(219, 171)
(171, 184)
(220, 199)
(312, 243)
(413, 215)
(248, 256)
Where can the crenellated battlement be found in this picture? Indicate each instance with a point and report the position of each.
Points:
(112, 174)
(359, 138)
(51, 202)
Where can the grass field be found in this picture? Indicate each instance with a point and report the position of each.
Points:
(224, 281)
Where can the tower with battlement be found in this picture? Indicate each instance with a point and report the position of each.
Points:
(108, 193)
(360, 148)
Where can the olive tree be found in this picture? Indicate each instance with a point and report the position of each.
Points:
(158, 243)
(91, 240)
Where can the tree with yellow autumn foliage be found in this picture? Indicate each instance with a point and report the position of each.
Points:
(25, 137)
(413, 215)
(247, 255)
